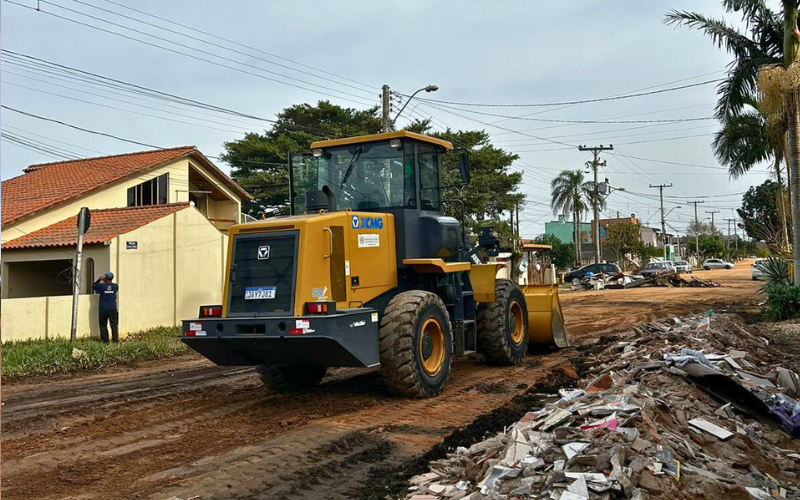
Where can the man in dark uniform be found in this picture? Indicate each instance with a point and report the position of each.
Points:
(108, 306)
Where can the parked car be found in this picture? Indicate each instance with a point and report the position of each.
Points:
(656, 268)
(681, 266)
(575, 276)
(757, 272)
(717, 264)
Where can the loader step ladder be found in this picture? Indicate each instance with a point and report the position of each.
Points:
(470, 335)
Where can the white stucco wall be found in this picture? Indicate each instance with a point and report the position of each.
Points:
(48, 317)
(177, 266)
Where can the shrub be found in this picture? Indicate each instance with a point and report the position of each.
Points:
(776, 272)
(783, 301)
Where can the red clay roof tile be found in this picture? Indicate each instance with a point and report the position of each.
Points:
(106, 225)
(47, 184)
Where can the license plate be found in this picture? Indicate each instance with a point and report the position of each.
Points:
(259, 292)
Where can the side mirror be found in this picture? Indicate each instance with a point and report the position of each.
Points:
(463, 165)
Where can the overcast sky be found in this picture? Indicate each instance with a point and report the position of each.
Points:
(475, 51)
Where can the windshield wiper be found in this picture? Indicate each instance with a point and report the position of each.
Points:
(352, 164)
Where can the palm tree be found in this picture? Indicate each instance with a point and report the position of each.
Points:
(571, 194)
(745, 138)
(761, 44)
(791, 52)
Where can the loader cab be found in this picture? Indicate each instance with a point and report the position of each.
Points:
(396, 172)
(380, 172)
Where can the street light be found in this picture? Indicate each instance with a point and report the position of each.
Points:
(429, 88)
(676, 232)
(671, 209)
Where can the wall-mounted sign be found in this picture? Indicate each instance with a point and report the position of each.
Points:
(131, 245)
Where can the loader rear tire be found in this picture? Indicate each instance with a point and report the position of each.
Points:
(503, 326)
(293, 378)
(416, 344)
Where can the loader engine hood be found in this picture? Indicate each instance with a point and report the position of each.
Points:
(278, 266)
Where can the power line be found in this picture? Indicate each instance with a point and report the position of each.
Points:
(198, 30)
(24, 131)
(90, 16)
(668, 162)
(98, 28)
(115, 99)
(3, 106)
(85, 76)
(108, 106)
(566, 136)
(570, 103)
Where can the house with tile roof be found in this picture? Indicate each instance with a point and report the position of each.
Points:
(159, 222)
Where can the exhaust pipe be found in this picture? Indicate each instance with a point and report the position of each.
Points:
(331, 198)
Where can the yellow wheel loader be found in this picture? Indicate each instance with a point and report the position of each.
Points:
(368, 271)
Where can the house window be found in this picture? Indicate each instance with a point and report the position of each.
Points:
(152, 192)
(89, 276)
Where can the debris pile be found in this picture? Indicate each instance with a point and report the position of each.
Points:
(617, 281)
(691, 408)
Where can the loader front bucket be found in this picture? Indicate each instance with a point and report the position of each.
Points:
(545, 319)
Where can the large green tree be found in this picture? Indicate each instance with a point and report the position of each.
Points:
(623, 238)
(493, 188)
(572, 195)
(710, 246)
(761, 215)
(259, 162)
(561, 255)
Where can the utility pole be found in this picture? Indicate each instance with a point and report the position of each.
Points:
(595, 163)
(386, 120)
(84, 221)
(518, 220)
(663, 221)
(712, 212)
(735, 234)
(513, 237)
(728, 246)
(696, 229)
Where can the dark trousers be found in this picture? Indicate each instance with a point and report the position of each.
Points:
(110, 316)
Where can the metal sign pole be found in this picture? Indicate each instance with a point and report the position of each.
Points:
(83, 226)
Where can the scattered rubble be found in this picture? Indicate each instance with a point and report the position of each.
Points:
(618, 281)
(690, 408)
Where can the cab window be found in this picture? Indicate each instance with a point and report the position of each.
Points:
(429, 178)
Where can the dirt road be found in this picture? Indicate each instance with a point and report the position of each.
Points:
(186, 428)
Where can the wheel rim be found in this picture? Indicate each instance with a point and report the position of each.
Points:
(431, 346)
(516, 322)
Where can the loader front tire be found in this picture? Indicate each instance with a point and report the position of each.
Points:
(293, 378)
(503, 326)
(416, 344)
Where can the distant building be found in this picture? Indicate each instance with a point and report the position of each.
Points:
(564, 230)
(649, 236)
(159, 222)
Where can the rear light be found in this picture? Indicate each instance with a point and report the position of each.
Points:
(210, 311)
(317, 308)
(296, 331)
(189, 333)
(321, 307)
